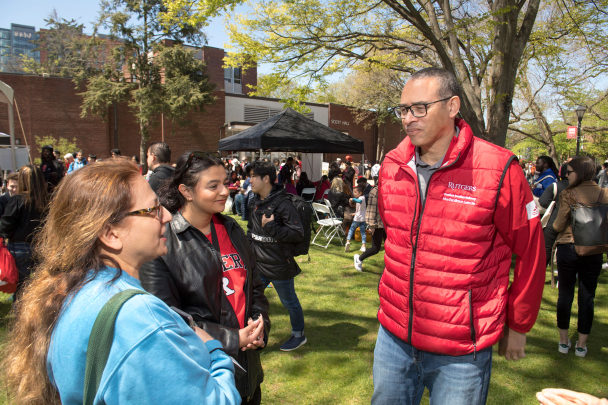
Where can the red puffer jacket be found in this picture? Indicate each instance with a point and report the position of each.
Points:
(445, 288)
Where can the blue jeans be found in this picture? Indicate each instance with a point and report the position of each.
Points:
(22, 252)
(287, 294)
(238, 200)
(355, 225)
(401, 372)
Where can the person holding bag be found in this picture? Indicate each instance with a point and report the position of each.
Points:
(572, 261)
(209, 270)
(155, 356)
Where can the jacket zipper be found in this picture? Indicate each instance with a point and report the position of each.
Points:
(413, 264)
(473, 338)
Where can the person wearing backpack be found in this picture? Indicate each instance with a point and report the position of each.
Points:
(570, 264)
(273, 234)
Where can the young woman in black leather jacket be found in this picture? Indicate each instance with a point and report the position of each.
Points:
(209, 270)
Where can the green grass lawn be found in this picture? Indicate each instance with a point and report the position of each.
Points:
(335, 366)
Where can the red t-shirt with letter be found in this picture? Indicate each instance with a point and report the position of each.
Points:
(234, 272)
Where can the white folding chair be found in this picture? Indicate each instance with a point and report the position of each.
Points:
(309, 194)
(333, 215)
(330, 226)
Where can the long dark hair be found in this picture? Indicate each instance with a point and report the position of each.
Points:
(584, 167)
(304, 179)
(85, 202)
(169, 195)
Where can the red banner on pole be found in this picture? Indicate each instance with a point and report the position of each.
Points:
(572, 132)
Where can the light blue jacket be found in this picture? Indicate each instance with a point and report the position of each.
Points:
(155, 358)
(76, 164)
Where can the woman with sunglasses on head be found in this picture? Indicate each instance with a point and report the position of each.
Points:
(209, 270)
(155, 357)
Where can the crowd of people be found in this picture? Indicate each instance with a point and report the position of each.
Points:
(91, 239)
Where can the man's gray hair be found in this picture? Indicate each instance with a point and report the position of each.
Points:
(448, 84)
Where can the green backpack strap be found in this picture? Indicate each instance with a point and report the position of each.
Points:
(100, 342)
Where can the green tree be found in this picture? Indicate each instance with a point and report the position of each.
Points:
(63, 145)
(68, 50)
(152, 77)
(372, 92)
(565, 56)
(482, 43)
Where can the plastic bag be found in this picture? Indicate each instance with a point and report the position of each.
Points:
(9, 275)
(228, 207)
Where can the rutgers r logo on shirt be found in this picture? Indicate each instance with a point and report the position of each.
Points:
(231, 261)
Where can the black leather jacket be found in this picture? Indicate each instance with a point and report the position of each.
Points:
(189, 277)
(20, 222)
(274, 243)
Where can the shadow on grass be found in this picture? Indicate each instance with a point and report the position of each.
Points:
(336, 337)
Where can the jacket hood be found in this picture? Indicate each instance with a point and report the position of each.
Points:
(405, 151)
(167, 169)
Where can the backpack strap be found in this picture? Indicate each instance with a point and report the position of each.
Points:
(100, 342)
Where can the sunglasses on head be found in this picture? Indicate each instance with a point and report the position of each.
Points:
(197, 155)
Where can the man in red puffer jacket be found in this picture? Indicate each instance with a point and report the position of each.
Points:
(455, 208)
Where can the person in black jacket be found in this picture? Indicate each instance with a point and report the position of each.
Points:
(349, 174)
(273, 229)
(48, 168)
(159, 158)
(334, 171)
(11, 181)
(287, 171)
(21, 219)
(210, 270)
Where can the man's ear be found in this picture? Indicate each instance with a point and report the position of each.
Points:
(186, 192)
(110, 236)
(454, 105)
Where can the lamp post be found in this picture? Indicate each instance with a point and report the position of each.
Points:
(580, 111)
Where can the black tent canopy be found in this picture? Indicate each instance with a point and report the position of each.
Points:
(290, 131)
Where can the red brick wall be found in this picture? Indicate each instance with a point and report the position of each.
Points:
(52, 107)
(342, 119)
(250, 78)
(214, 58)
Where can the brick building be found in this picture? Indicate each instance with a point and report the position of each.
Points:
(52, 106)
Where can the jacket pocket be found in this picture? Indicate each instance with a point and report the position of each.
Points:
(472, 325)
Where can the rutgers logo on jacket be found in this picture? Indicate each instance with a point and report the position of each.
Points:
(444, 288)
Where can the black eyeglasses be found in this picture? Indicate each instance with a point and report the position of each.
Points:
(145, 211)
(198, 155)
(418, 110)
(569, 171)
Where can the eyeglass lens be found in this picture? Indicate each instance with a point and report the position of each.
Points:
(418, 111)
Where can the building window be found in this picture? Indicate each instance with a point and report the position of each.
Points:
(232, 80)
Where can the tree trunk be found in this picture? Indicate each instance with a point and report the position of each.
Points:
(508, 47)
(383, 139)
(143, 150)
